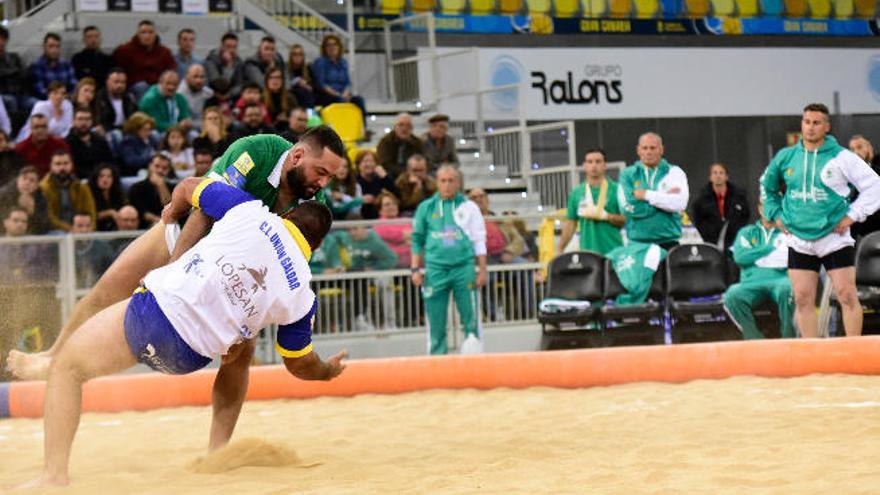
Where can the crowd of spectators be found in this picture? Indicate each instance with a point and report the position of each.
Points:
(106, 129)
(98, 142)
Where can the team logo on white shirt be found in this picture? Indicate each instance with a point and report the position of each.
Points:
(235, 288)
(193, 263)
(259, 277)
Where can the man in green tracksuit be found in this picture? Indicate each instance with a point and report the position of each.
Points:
(652, 194)
(762, 254)
(270, 169)
(448, 232)
(805, 191)
(593, 208)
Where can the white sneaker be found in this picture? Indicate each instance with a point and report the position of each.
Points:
(472, 345)
(362, 325)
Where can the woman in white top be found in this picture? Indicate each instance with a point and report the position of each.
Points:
(57, 109)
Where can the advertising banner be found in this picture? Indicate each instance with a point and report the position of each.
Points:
(587, 83)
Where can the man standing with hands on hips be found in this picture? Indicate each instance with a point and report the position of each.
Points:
(448, 233)
(805, 191)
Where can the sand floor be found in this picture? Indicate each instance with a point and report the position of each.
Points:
(817, 434)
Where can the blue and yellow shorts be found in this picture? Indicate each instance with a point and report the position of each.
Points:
(153, 339)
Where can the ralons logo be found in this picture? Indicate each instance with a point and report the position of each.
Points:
(874, 77)
(505, 70)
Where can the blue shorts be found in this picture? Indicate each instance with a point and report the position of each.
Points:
(154, 341)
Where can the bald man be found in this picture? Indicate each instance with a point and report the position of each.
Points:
(652, 194)
(127, 218)
(449, 234)
(196, 92)
(398, 145)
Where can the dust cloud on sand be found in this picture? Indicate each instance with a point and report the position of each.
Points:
(248, 452)
(816, 434)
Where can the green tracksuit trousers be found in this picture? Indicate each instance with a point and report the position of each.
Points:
(740, 299)
(461, 280)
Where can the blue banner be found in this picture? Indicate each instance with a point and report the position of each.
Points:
(540, 24)
(803, 27)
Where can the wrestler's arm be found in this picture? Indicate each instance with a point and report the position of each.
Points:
(197, 225)
(311, 367)
(294, 343)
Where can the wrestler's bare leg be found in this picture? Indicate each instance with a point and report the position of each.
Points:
(98, 348)
(147, 252)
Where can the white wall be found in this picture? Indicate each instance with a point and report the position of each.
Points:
(589, 83)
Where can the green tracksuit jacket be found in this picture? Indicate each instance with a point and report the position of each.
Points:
(762, 255)
(657, 218)
(817, 187)
(370, 253)
(635, 265)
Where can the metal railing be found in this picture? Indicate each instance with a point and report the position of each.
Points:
(385, 303)
(482, 129)
(66, 267)
(403, 73)
(542, 154)
(305, 20)
(300, 18)
(15, 8)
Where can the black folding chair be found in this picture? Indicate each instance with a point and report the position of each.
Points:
(635, 323)
(576, 276)
(697, 278)
(867, 266)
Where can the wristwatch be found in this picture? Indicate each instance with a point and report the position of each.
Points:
(416, 270)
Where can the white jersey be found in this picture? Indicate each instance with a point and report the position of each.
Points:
(248, 273)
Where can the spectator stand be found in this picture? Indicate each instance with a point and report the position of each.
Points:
(288, 21)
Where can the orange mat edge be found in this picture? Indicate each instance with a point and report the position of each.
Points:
(565, 369)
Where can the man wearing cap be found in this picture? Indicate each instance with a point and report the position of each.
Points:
(438, 146)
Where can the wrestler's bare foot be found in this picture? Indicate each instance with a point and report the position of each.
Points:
(24, 366)
(44, 481)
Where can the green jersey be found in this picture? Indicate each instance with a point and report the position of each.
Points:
(326, 256)
(596, 235)
(370, 253)
(253, 164)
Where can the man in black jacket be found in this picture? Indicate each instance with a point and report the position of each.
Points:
(720, 206)
(91, 61)
(114, 99)
(87, 147)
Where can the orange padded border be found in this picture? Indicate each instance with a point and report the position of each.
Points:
(566, 369)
